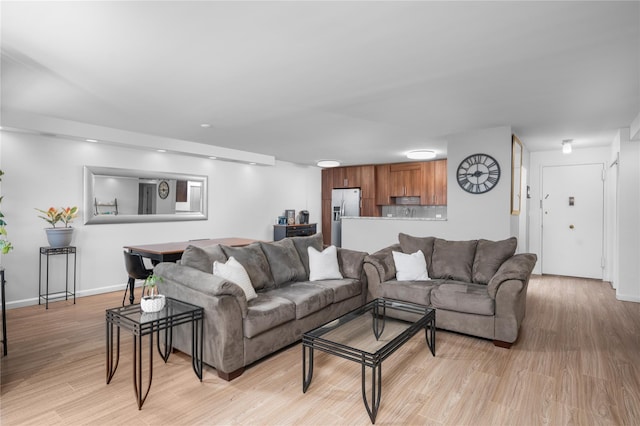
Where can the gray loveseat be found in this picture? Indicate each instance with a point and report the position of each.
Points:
(478, 287)
(238, 333)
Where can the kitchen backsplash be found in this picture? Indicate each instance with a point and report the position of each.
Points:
(429, 212)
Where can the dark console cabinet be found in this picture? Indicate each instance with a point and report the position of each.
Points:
(283, 231)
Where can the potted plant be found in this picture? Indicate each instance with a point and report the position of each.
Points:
(152, 301)
(59, 237)
(5, 244)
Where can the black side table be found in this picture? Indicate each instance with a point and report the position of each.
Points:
(54, 251)
(4, 314)
(142, 324)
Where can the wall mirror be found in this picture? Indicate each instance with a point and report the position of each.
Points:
(113, 195)
(516, 175)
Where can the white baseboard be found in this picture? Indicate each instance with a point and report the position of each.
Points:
(79, 293)
(627, 298)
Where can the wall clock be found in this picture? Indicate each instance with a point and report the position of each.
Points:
(163, 189)
(478, 173)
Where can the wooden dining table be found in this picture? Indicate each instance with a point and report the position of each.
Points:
(172, 251)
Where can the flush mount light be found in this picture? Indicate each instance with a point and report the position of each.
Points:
(252, 164)
(421, 154)
(566, 146)
(162, 150)
(91, 140)
(205, 125)
(213, 158)
(328, 163)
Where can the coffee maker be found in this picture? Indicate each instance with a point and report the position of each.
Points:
(304, 216)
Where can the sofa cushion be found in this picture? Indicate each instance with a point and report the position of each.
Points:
(302, 244)
(408, 291)
(284, 262)
(452, 260)
(323, 265)
(266, 312)
(307, 297)
(463, 297)
(489, 256)
(410, 266)
(233, 271)
(410, 244)
(342, 289)
(202, 258)
(255, 262)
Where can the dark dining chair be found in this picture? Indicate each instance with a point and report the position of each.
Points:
(136, 270)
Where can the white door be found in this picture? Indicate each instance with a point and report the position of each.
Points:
(572, 220)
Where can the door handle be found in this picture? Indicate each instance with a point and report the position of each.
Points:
(571, 227)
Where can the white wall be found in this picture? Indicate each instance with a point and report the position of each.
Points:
(628, 286)
(470, 216)
(40, 171)
(541, 159)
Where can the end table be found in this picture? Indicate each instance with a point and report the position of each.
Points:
(141, 324)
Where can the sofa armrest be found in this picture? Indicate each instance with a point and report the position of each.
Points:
(518, 267)
(202, 282)
(382, 261)
(351, 262)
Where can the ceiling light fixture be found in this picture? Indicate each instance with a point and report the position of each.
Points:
(328, 163)
(421, 154)
(91, 140)
(213, 158)
(205, 125)
(566, 146)
(162, 150)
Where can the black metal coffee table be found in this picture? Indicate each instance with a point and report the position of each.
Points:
(141, 324)
(368, 336)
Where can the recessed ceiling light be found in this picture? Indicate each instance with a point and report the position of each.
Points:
(252, 164)
(162, 150)
(205, 125)
(91, 140)
(421, 154)
(328, 163)
(213, 158)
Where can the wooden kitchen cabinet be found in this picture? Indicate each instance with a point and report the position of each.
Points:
(434, 190)
(440, 182)
(405, 180)
(382, 184)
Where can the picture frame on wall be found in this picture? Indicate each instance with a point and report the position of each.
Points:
(516, 175)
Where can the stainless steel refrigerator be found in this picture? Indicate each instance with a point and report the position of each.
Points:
(344, 202)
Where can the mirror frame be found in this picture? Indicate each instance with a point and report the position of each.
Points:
(89, 195)
(516, 175)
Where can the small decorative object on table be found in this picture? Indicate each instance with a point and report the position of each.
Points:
(59, 237)
(152, 302)
(291, 217)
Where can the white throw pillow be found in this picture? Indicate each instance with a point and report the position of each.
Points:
(234, 271)
(324, 265)
(410, 267)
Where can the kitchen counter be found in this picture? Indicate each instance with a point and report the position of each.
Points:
(395, 218)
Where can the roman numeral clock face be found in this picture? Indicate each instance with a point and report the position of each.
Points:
(478, 173)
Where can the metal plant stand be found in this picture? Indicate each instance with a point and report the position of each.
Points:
(54, 251)
(360, 336)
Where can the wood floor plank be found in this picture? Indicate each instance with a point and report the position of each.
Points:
(577, 361)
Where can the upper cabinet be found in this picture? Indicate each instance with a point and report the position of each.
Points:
(349, 177)
(434, 188)
(427, 180)
(405, 180)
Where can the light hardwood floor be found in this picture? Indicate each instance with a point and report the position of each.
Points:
(577, 361)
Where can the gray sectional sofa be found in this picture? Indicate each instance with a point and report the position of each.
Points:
(478, 287)
(238, 332)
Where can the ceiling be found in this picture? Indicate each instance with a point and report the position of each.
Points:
(361, 82)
